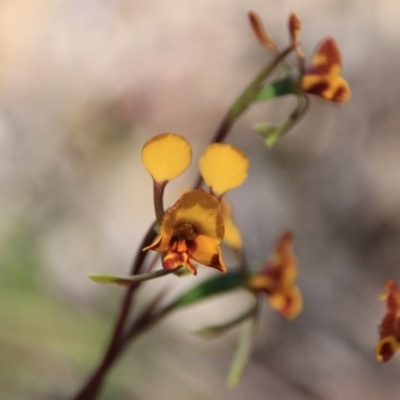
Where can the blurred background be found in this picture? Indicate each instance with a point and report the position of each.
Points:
(83, 85)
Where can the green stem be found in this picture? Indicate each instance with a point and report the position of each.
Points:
(131, 279)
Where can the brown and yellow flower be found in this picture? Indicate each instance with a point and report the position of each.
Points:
(322, 76)
(389, 329)
(191, 229)
(277, 280)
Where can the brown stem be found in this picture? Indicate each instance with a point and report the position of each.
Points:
(92, 386)
(158, 194)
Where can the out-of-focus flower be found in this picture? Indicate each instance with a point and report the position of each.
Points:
(389, 329)
(193, 227)
(322, 76)
(277, 280)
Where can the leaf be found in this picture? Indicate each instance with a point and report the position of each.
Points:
(130, 279)
(273, 133)
(216, 330)
(242, 354)
(211, 287)
(278, 88)
(270, 133)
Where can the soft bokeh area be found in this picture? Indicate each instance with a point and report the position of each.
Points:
(83, 84)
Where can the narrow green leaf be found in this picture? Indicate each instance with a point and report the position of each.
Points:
(248, 95)
(128, 280)
(278, 88)
(242, 354)
(271, 134)
(216, 330)
(215, 285)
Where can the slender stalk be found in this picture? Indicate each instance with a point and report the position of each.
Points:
(92, 386)
(158, 194)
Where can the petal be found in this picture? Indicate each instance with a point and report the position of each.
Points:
(173, 260)
(199, 209)
(389, 330)
(261, 282)
(386, 349)
(288, 303)
(232, 236)
(166, 156)
(162, 243)
(327, 58)
(282, 267)
(206, 251)
(392, 295)
(322, 76)
(223, 167)
(329, 87)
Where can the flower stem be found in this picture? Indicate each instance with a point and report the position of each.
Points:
(91, 387)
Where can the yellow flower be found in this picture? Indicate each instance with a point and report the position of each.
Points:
(277, 280)
(389, 329)
(322, 76)
(191, 229)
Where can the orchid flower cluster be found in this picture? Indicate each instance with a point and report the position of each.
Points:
(188, 234)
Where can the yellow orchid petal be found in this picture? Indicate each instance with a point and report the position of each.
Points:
(161, 244)
(206, 251)
(166, 156)
(232, 237)
(223, 167)
(199, 209)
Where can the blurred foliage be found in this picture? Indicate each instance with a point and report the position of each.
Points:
(46, 344)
